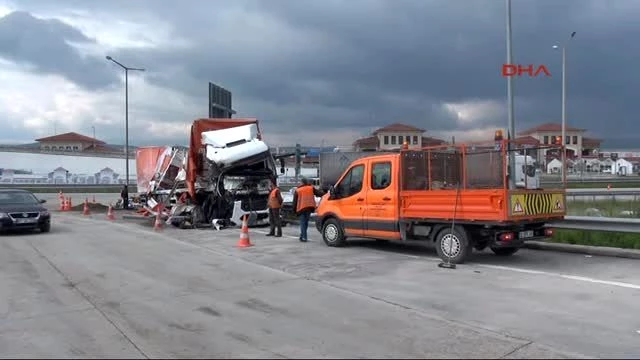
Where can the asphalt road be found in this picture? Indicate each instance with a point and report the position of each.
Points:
(92, 288)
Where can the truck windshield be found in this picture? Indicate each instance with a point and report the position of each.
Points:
(240, 183)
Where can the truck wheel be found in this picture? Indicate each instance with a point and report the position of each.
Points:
(457, 241)
(504, 251)
(332, 233)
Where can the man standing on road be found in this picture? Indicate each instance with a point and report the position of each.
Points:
(274, 204)
(124, 194)
(304, 203)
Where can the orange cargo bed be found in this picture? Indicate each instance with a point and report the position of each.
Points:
(493, 205)
(433, 179)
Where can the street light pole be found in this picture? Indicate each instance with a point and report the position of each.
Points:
(564, 116)
(126, 111)
(564, 109)
(511, 130)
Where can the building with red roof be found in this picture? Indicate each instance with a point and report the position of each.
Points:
(576, 143)
(393, 136)
(74, 142)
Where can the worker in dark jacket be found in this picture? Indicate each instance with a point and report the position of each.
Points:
(304, 203)
(274, 204)
(124, 194)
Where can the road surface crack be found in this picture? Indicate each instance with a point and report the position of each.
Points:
(93, 305)
(516, 349)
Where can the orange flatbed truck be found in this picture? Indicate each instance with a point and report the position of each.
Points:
(456, 196)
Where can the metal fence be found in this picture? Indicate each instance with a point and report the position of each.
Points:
(592, 223)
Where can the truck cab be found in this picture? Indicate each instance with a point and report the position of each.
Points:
(364, 201)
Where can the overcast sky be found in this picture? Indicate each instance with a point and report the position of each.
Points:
(331, 70)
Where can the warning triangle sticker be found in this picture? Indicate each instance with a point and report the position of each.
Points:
(558, 205)
(517, 207)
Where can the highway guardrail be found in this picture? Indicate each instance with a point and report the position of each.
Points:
(594, 179)
(604, 194)
(619, 191)
(66, 186)
(594, 223)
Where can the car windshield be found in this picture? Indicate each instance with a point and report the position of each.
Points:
(22, 198)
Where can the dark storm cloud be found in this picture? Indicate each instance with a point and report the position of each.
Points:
(367, 63)
(44, 44)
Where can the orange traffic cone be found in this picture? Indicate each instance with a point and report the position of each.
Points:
(86, 211)
(244, 234)
(110, 215)
(63, 203)
(67, 204)
(158, 226)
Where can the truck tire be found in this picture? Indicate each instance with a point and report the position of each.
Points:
(332, 233)
(458, 241)
(505, 251)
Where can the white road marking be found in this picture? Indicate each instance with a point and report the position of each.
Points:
(564, 276)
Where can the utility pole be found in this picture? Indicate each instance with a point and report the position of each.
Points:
(298, 161)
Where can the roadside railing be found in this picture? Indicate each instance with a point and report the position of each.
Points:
(593, 223)
(603, 194)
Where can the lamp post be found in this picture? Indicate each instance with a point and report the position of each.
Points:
(511, 129)
(126, 111)
(564, 107)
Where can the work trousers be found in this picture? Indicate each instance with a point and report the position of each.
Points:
(274, 222)
(304, 225)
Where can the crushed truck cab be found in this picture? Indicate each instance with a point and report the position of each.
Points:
(223, 176)
(456, 196)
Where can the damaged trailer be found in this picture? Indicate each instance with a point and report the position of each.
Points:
(223, 175)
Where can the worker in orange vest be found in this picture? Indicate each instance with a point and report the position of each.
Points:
(274, 204)
(304, 203)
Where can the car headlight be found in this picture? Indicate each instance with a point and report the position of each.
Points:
(44, 213)
(3, 215)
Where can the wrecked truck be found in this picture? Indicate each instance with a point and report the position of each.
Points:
(224, 174)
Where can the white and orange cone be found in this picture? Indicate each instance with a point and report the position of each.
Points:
(110, 215)
(158, 226)
(244, 234)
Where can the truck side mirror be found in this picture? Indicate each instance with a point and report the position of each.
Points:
(332, 192)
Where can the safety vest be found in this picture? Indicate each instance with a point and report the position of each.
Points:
(273, 199)
(306, 199)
